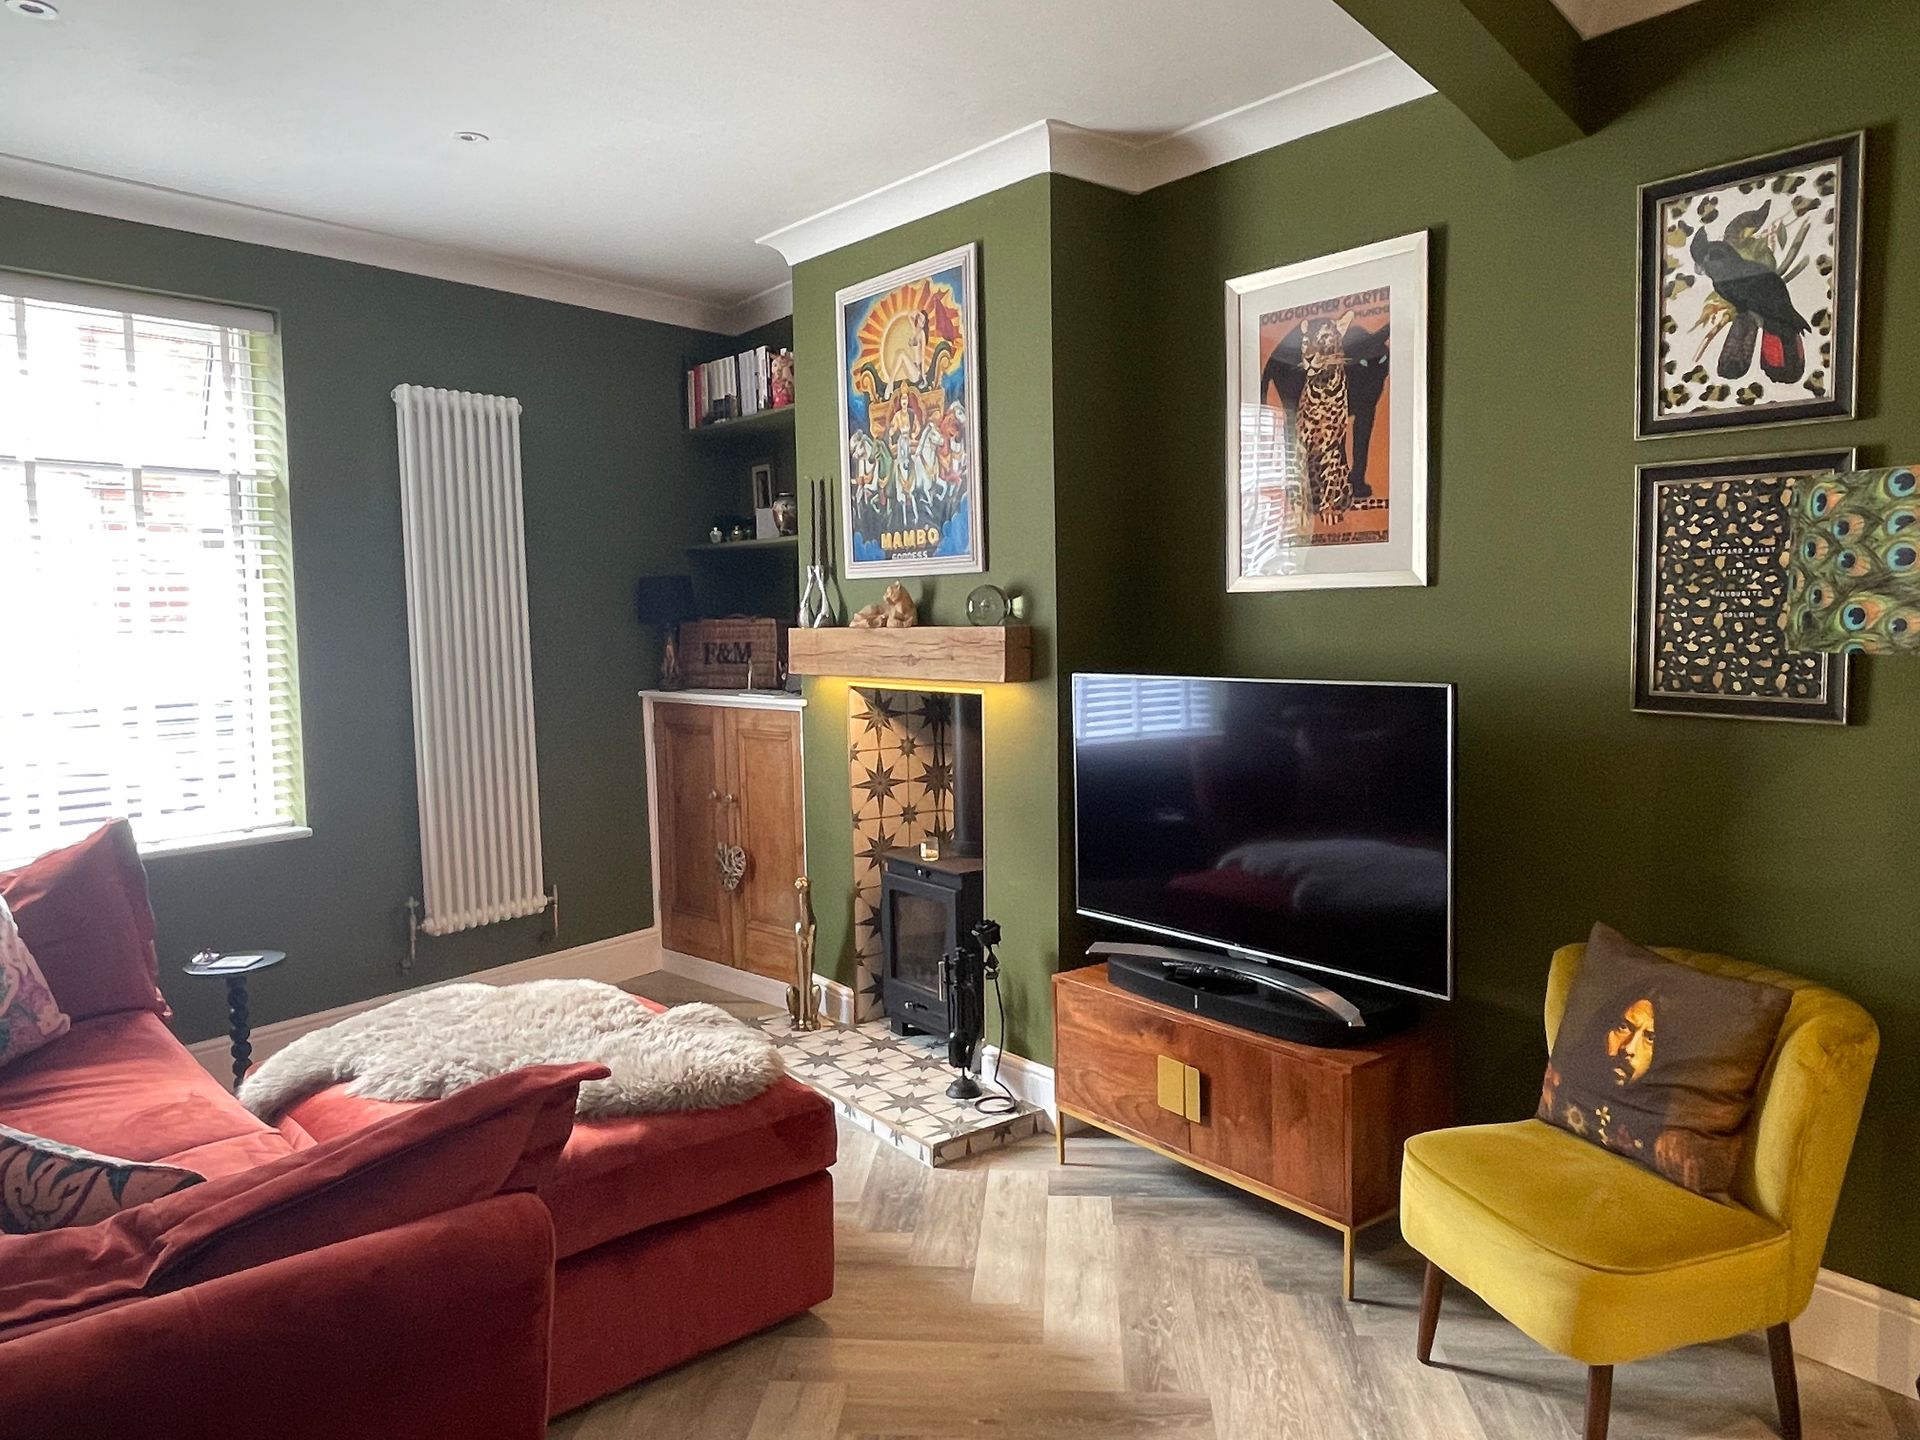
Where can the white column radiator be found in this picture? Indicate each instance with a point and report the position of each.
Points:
(473, 746)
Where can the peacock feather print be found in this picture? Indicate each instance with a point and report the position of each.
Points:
(1854, 563)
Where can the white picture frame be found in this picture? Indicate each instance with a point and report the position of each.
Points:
(1344, 330)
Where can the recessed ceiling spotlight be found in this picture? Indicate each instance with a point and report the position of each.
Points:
(465, 137)
(34, 9)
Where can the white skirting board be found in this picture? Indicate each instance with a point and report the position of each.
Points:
(725, 977)
(1868, 1332)
(617, 958)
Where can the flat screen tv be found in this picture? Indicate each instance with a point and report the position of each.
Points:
(1305, 823)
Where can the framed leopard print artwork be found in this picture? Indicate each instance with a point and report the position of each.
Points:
(1711, 581)
(1327, 421)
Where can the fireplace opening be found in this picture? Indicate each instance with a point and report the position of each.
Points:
(915, 767)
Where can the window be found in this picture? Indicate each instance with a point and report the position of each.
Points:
(1107, 708)
(145, 571)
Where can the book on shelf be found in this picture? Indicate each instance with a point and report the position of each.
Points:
(737, 386)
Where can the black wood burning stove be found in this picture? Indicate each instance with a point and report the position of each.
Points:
(926, 907)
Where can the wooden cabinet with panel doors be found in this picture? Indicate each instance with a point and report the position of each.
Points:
(732, 832)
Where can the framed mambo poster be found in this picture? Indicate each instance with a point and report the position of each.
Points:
(909, 369)
(1327, 421)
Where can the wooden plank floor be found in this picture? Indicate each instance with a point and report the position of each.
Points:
(1123, 1297)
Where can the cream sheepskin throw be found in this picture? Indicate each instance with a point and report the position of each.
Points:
(424, 1046)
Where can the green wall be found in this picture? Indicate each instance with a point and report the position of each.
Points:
(613, 490)
(1781, 843)
(1021, 773)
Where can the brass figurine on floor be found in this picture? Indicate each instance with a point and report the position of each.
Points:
(803, 996)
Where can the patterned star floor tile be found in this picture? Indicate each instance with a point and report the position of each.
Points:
(896, 1087)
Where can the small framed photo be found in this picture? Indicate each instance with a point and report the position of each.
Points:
(1750, 292)
(1327, 421)
(1711, 573)
(763, 485)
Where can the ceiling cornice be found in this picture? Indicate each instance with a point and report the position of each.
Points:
(1046, 146)
(1053, 146)
(69, 189)
(757, 310)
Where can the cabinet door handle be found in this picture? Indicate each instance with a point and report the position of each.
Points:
(1170, 1084)
(1177, 1088)
(713, 795)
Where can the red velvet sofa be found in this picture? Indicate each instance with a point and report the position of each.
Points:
(463, 1268)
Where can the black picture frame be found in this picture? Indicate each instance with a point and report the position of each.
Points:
(1716, 519)
(1668, 363)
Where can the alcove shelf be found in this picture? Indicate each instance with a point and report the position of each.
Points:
(952, 654)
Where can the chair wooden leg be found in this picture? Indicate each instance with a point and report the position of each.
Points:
(1599, 1400)
(1786, 1383)
(1430, 1309)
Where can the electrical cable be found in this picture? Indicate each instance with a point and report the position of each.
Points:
(1006, 1102)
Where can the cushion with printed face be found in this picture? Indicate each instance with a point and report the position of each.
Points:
(45, 1185)
(29, 1017)
(1658, 1062)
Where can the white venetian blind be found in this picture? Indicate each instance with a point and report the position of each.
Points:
(1136, 707)
(146, 575)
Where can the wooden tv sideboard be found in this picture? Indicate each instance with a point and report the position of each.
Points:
(1316, 1130)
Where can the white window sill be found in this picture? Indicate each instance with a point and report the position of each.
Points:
(235, 840)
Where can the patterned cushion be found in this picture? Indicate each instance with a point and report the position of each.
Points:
(45, 1185)
(29, 1018)
(1678, 1106)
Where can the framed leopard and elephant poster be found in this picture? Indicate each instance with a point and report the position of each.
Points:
(1750, 292)
(1327, 421)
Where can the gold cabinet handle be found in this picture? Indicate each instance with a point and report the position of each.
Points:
(1177, 1088)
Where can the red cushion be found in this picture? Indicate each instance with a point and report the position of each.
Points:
(122, 1085)
(84, 914)
(619, 1176)
(499, 1136)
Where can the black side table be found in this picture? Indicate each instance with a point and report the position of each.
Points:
(234, 968)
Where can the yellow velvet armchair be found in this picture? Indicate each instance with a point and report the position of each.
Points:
(1606, 1262)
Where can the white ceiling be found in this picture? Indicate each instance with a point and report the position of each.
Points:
(639, 147)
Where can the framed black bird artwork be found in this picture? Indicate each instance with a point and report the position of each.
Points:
(1750, 291)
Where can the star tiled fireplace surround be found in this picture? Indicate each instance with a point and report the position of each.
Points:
(900, 764)
(900, 773)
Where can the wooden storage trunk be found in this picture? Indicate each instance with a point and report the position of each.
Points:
(738, 653)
